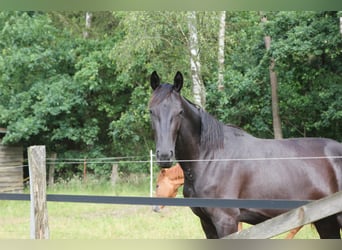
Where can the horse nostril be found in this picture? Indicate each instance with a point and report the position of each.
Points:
(164, 155)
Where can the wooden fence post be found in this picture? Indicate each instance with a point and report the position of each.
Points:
(37, 170)
(115, 174)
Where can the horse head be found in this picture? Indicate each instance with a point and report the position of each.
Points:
(166, 115)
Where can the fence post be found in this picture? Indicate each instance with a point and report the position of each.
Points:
(114, 175)
(151, 173)
(85, 170)
(37, 170)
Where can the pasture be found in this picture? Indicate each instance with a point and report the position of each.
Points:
(103, 221)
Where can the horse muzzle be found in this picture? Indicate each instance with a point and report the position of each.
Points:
(164, 159)
(157, 208)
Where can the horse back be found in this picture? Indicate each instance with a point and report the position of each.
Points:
(302, 168)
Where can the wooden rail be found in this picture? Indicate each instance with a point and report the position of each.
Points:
(306, 214)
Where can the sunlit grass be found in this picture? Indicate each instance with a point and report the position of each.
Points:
(105, 221)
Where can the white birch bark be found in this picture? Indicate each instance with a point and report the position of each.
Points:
(221, 49)
(195, 64)
(87, 24)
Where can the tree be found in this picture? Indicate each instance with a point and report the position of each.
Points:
(89, 97)
(307, 46)
(221, 50)
(57, 88)
(274, 89)
(198, 88)
(88, 17)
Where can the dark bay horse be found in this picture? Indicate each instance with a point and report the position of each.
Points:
(221, 161)
(169, 180)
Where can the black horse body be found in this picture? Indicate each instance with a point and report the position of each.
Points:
(221, 161)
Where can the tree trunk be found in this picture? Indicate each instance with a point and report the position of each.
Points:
(274, 89)
(195, 64)
(341, 25)
(220, 84)
(87, 24)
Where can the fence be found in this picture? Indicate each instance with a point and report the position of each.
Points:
(11, 171)
(310, 211)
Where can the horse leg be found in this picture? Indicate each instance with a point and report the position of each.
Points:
(339, 219)
(328, 228)
(218, 224)
(292, 233)
(240, 227)
(207, 225)
(225, 222)
(209, 229)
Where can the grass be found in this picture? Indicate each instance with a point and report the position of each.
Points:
(105, 221)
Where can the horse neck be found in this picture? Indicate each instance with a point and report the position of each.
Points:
(189, 136)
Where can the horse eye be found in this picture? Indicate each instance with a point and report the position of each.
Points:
(181, 112)
(157, 186)
(151, 112)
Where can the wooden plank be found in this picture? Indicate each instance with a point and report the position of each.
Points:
(10, 182)
(306, 214)
(8, 169)
(10, 178)
(10, 158)
(11, 164)
(39, 214)
(11, 150)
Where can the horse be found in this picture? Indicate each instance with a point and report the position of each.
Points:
(224, 161)
(169, 180)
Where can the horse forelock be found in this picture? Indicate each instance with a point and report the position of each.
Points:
(161, 93)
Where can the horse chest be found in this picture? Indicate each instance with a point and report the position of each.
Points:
(194, 185)
(188, 189)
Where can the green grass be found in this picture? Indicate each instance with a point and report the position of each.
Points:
(105, 221)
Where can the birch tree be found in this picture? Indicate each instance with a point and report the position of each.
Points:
(221, 49)
(198, 88)
(88, 18)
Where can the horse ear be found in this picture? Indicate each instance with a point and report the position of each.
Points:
(178, 81)
(155, 81)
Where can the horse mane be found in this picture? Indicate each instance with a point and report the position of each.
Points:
(211, 131)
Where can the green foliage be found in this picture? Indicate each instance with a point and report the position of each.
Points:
(307, 49)
(308, 54)
(88, 97)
